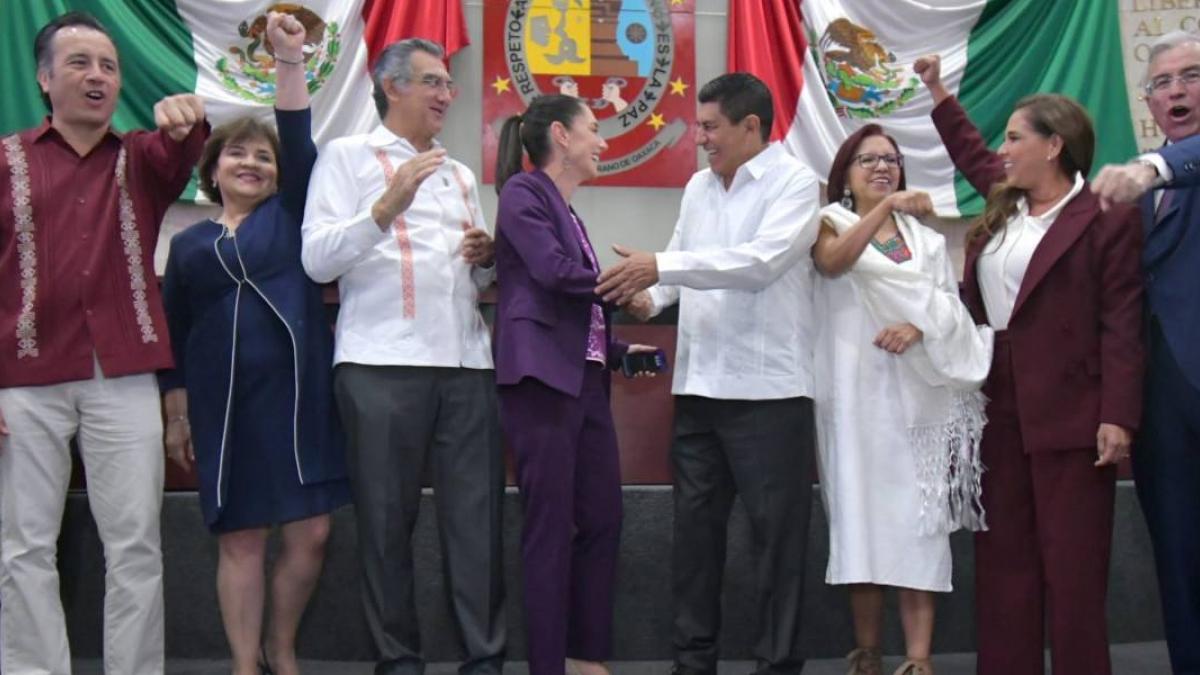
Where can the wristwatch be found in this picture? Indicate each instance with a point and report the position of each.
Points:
(1158, 179)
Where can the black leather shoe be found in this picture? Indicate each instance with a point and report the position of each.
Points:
(407, 666)
(793, 667)
(679, 669)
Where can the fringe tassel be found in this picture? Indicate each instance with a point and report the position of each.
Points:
(949, 469)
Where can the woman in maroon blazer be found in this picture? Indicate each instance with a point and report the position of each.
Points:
(1058, 279)
(554, 347)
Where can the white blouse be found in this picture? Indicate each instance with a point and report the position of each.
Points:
(1004, 260)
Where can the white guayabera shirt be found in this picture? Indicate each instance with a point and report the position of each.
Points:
(740, 267)
(407, 296)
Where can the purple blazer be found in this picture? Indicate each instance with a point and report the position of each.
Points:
(546, 289)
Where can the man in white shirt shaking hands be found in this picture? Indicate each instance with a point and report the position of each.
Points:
(738, 264)
(398, 224)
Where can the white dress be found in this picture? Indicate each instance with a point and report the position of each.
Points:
(890, 503)
(867, 468)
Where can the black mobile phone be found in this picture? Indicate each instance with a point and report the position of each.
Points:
(643, 362)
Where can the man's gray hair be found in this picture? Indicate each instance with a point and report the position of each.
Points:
(1171, 40)
(395, 63)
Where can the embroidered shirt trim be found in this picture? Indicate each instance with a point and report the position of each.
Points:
(133, 254)
(18, 167)
(400, 228)
(466, 197)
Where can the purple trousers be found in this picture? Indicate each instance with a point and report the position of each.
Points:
(569, 474)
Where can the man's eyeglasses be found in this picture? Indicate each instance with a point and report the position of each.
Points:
(1187, 78)
(869, 160)
(433, 82)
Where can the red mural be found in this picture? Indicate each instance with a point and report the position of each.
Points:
(632, 61)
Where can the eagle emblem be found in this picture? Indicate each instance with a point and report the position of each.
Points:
(249, 69)
(860, 74)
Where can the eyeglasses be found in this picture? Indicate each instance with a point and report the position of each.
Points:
(869, 160)
(1187, 78)
(435, 83)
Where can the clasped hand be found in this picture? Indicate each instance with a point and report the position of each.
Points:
(636, 272)
(898, 338)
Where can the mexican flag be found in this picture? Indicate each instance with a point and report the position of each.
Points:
(835, 65)
(217, 49)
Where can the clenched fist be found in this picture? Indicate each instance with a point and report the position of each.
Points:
(913, 202)
(1124, 182)
(929, 69)
(286, 35)
(177, 114)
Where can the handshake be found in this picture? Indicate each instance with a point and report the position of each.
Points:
(625, 283)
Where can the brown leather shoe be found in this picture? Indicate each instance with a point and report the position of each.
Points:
(915, 667)
(865, 661)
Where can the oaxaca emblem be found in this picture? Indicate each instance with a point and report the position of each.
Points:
(631, 61)
(860, 74)
(249, 69)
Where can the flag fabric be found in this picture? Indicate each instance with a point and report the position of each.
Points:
(217, 49)
(776, 23)
(154, 44)
(857, 69)
(389, 20)
(236, 72)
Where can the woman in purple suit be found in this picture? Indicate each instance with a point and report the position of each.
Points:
(554, 347)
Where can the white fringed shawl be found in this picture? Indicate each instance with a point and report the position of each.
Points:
(939, 376)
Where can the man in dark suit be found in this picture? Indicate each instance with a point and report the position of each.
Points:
(1166, 462)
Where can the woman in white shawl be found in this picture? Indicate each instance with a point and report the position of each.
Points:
(899, 364)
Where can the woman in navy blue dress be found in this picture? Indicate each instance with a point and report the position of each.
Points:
(249, 401)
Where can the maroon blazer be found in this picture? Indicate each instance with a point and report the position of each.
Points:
(1076, 326)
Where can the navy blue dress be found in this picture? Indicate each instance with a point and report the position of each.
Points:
(254, 348)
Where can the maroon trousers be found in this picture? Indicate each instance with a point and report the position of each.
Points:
(1044, 559)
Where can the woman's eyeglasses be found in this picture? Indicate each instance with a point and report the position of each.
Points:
(869, 160)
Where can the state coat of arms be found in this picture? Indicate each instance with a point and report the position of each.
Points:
(631, 61)
(249, 70)
(860, 74)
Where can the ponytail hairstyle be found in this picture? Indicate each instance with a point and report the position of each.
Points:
(1048, 115)
(531, 132)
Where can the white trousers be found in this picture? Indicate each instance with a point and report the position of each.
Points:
(119, 430)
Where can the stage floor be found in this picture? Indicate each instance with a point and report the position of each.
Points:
(1139, 658)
